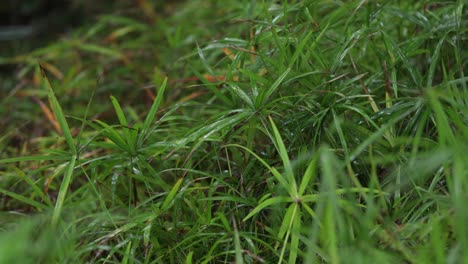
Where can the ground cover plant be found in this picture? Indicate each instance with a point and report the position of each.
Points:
(240, 132)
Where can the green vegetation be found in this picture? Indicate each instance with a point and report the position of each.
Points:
(241, 132)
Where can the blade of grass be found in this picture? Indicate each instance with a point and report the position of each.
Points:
(309, 175)
(279, 177)
(267, 203)
(293, 60)
(434, 60)
(63, 190)
(170, 196)
(34, 186)
(39, 206)
(152, 113)
(292, 188)
(237, 244)
(130, 135)
(57, 109)
(36, 158)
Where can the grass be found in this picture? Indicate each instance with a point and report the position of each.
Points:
(241, 132)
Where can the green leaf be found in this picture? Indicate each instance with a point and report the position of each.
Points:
(267, 203)
(59, 114)
(291, 181)
(118, 110)
(434, 60)
(309, 175)
(34, 186)
(229, 119)
(445, 133)
(392, 46)
(152, 113)
(237, 244)
(265, 96)
(114, 136)
(295, 233)
(376, 135)
(35, 158)
(287, 220)
(130, 134)
(99, 50)
(282, 180)
(189, 259)
(242, 95)
(170, 196)
(39, 206)
(63, 190)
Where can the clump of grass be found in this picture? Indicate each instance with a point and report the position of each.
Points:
(257, 132)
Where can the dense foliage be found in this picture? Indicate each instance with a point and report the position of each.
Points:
(240, 131)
